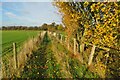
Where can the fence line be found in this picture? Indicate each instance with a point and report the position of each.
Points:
(78, 48)
(16, 62)
(10, 48)
(63, 39)
(60, 37)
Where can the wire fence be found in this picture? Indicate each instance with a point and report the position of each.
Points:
(103, 57)
(101, 54)
(9, 49)
(15, 56)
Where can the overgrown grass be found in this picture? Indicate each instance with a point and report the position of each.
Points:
(52, 60)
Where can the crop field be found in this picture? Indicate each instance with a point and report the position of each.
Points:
(8, 37)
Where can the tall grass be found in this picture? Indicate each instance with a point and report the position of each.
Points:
(24, 53)
(53, 60)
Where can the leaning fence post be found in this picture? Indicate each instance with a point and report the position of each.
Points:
(15, 55)
(91, 55)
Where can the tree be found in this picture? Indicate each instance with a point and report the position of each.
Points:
(95, 22)
(59, 27)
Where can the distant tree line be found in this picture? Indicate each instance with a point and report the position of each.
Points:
(51, 27)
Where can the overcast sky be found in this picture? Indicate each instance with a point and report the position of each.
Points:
(28, 13)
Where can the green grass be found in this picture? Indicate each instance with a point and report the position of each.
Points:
(44, 64)
(0, 41)
(18, 36)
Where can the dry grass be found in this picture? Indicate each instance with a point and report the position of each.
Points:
(24, 53)
(98, 68)
(59, 57)
(81, 57)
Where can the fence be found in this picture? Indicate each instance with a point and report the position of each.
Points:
(71, 44)
(91, 55)
(13, 62)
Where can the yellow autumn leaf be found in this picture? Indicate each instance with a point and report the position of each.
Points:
(92, 7)
(116, 4)
(114, 24)
(86, 4)
(101, 4)
(103, 9)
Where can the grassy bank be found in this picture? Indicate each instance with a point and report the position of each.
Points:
(52, 60)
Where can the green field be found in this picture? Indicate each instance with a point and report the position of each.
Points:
(0, 41)
(17, 36)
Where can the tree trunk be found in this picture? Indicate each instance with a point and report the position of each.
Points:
(91, 55)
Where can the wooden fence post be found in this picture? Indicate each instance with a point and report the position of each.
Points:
(32, 42)
(91, 55)
(68, 45)
(77, 36)
(39, 35)
(54, 34)
(82, 45)
(57, 36)
(15, 56)
(107, 56)
(61, 38)
(74, 45)
(65, 39)
(77, 47)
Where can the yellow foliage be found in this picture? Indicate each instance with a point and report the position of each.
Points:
(99, 33)
(93, 7)
(86, 4)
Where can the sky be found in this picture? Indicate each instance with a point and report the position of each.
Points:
(28, 13)
(26, 0)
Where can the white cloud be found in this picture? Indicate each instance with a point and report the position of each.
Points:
(21, 18)
(30, 13)
(10, 14)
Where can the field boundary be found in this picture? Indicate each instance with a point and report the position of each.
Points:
(13, 64)
(73, 46)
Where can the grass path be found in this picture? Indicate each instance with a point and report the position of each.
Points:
(52, 60)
